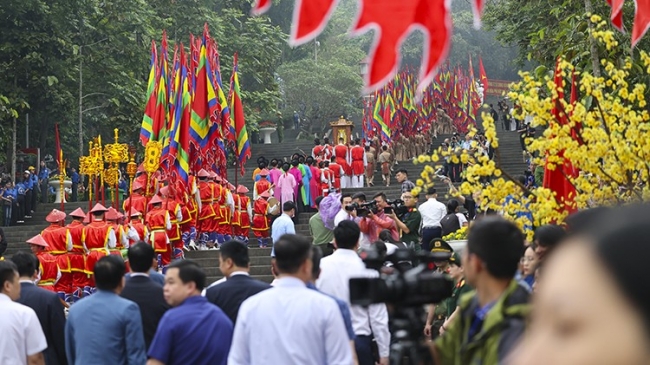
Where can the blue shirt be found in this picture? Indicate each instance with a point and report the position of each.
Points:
(20, 188)
(34, 179)
(105, 329)
(28, 182)
(12, 192)
(44, 173)
(196, 332)
(281, 225)
(345, 311)
(75, 178)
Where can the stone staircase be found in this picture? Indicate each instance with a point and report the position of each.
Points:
(511, 161)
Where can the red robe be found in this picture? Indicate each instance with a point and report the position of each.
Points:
(57, 237)
(135, 201)
(77, 256)
(49, 270)
(156, 223)
(335, 169)
(357, 153)
(206, 216)
(260, 220)
(341, 153)
(96, 238)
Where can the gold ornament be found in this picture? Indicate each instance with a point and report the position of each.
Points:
(152, 154)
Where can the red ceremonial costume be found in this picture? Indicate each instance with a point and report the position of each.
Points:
(341, 153)
(59, 242)
(158, 222)
(216, 208)
(77, 258)
(135, 201)
(261, 186)
(224, 210)
(335, 169)
(207, 213)
(326, 180)
(357, 154)
(174, 234)
(260, 220)
(96, 237)
(49, 271)
(317, 152)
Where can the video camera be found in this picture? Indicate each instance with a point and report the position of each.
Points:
(413, 287)
(407, 290)
(397, 206)
(363, 209)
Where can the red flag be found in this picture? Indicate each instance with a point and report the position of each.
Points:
(477, 9)
(482, 75)
(557, 179)
(617, 13)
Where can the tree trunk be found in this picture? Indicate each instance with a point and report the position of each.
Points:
(593, 49)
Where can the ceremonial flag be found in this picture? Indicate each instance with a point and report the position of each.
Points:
(180, 141)
(204, 95)
(379, 119)
(147, 121)
(482, 75)
(556, 179)
(238, 122)
(161, 112)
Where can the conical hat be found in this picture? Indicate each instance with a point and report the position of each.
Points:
(111, 214)
(156, 200)
(137, 186)
(164, 191)
(264, 172)
(78, 213)
(38, 240)
(55, 216)
(241, 189)
(98, 208)
(134, 212)
(203, 173)
(265, 194)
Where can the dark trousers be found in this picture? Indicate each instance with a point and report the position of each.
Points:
(363, 347)
(428, 234)
(454, 172)
(75, 187)
(28, 202)
(34, 197)
(44, 192)
(20, 209)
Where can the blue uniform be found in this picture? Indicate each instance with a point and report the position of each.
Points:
(44, 173)
(75, 178)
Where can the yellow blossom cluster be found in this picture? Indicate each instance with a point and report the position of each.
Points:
(604, 137)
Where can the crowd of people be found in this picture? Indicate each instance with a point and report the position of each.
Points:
(504, 307)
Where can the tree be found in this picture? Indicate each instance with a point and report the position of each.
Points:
(604, 136)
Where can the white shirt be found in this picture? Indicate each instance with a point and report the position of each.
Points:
(21, 333)
(305, 327)
(432, 211)
(461, 219)
(343, 215)
(336, 272)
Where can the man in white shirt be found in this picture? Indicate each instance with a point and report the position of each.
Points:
(432, 211)
(22, 341)
(336, 272)
(305, 325)
(343, 215)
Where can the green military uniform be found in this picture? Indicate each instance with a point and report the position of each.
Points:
(502, 327)
(460, 289)
(412, 219)
(440, 311)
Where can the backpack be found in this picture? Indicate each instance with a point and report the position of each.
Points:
(450, 224)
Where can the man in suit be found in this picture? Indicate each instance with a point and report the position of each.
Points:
(46, 304)
(234, 264)
(142, 290)
(104, 328)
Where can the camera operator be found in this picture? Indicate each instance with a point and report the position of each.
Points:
(408, 221)
(490, 322)
(376, 220)
(347, 212)
(336, 271)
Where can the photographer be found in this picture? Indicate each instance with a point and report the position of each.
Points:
(408, 222)
(490, 322)
(376, 220)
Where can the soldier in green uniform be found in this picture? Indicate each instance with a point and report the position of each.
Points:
(438, 312)
(456, 272)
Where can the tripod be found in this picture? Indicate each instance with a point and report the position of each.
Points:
(409, 347)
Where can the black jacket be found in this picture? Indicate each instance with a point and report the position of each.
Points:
(51, 315)
(148, 295)
(230, 294)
